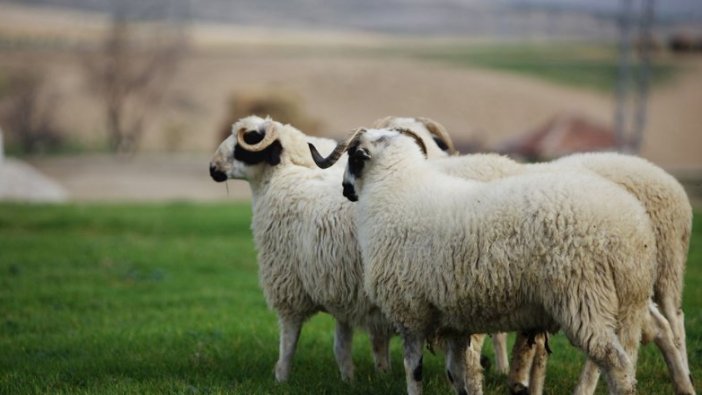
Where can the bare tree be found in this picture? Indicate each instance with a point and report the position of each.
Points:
(130, 74)
(27, 112)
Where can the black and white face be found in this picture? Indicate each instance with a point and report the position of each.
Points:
(358, 156)
(234, 161)
(367, 147)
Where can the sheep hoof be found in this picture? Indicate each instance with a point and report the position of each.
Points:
(281, 374)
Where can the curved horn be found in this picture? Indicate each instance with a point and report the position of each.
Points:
(270, 134)
(440, 132)
(382, 122)
(334, 156)
(416, 139)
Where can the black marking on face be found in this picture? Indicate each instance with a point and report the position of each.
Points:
(253, 136)
(270, 154)
(441, 143)
(357, 158)
(463, 392)
(417, 372)
(450, 376)
(349, 192)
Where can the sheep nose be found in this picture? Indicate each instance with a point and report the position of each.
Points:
(349, 192)
(217, 174)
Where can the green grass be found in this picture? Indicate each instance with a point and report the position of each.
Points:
(580, 65)
(592, 66)
(585, 65)
(165, 299)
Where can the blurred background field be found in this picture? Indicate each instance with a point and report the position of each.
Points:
(161, 80)
(164, 298)
(144, 279)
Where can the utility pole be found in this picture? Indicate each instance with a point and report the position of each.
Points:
(2, 148)
(633, 74)
(644, 73)
(623, 75)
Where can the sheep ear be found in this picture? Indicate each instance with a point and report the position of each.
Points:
(362, 153)
(253, 136)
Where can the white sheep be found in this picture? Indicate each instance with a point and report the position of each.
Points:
(532, 252)
(442, 139)
(670, 212)
(308, 255)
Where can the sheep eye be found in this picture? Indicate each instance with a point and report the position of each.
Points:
(361, 155)
(357, 158)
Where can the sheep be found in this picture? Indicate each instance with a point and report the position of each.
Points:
(308, 256)
(559, 255)
(670, 212)
(442, 139)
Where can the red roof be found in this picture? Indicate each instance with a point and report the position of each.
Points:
(564, 134)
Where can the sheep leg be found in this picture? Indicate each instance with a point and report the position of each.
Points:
(537, 375)
(613, 352)
(456, 363)
(618, 366)
(289, 334)
(343, 339)
(474, 369)
(659, 329)
(380, 342)
(588, 379)
(676, 318)
(499, 344)
(656, 329)
(523, 353)
(615, 363)
(413, 344)
(683, 341)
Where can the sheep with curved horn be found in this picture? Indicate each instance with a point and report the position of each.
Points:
(308, 255)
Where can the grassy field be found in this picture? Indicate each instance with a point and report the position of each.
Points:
(592, 66)
(165, 299)
(579, 65)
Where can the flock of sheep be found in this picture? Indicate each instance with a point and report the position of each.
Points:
(393, 232)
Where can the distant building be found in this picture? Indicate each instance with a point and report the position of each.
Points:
(562, 135)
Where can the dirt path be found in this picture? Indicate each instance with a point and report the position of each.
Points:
(148, 177)
(345, 93)
(674, 135)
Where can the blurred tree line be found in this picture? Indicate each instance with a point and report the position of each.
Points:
(128, 73)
